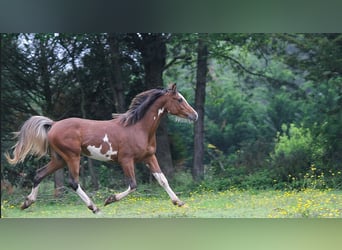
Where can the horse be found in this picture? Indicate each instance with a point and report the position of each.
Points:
(127, 138)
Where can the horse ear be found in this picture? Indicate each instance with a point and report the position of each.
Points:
(173, 87)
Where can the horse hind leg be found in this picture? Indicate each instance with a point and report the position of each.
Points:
(55, 164)
(31, 198)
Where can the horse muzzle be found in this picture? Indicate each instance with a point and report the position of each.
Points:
(193, 117)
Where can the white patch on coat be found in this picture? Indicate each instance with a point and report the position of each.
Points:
(105, 138)
(188, 104)
(183, 98)
(95, 152)
(160, 111)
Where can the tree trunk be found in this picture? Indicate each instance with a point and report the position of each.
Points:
(116, 82)
(0, 60)
(49, 109)
(153, 51)
(202, 69)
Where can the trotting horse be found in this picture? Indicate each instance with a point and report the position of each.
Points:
(127, 139)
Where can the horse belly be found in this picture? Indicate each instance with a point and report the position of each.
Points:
(101, 152)
(96, 154)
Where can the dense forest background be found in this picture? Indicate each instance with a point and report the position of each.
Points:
(270, 105)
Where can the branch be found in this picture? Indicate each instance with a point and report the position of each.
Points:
(174, 60)
(243, 67)
(268, 78)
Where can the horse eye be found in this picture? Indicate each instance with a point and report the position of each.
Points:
(180, 99)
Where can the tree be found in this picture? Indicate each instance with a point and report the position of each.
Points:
(318, 58)
(116, 81)
(153, 51)
(201, 79)
(32, 77)
(252, 85)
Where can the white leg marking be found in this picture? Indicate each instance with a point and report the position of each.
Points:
(123, 194)
(33, 195)
(84, 196)
(165, 184)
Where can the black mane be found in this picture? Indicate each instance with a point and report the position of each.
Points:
(139, 105)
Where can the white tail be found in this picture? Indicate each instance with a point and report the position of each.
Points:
(32, 139)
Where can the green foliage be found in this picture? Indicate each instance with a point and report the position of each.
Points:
(261, 179)
(182, 182)
(256, 84)
(295, 151)
(283, 108)
(232, 203)
(230, 118)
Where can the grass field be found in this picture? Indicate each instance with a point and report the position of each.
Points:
(309, 203)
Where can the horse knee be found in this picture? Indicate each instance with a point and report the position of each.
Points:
(73, 184)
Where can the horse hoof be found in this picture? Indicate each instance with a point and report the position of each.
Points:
(110, 199)
(181, 204)
(97, 211)
(94, 209)
(26, 204)
(178, 203)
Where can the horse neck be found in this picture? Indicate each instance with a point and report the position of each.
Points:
(151, 120)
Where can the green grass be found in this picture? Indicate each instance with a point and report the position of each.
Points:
(309, 203)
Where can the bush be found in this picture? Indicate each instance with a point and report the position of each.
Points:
(182, 181)
(295, 152)
(261, 179)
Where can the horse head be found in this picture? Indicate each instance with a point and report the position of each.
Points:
(177, 105)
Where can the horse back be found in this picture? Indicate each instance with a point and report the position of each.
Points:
(74, 134)
(100, 140)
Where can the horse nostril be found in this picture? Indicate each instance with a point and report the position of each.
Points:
(193, 117)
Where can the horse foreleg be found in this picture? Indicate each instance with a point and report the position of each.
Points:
(74, 167)
(84, 197)
(90, 204)
(116, 197)
(129, 173)
(160, 177)
(153, 165)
